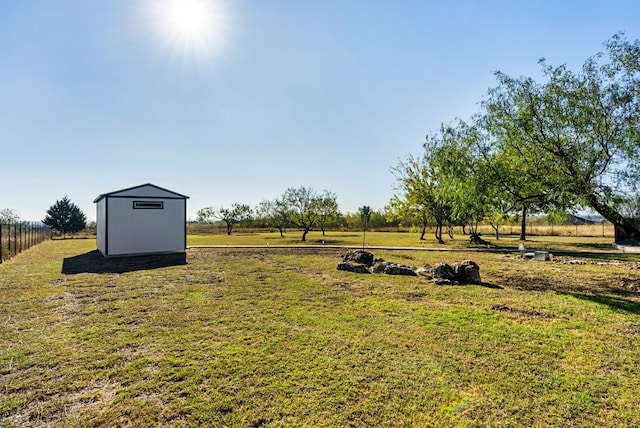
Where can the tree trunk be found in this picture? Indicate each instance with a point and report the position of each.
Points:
(281, 231)
(424, 230)
(304, 234)
(523, 227)
(464, 229)
(439, 233)
(229, 227)
(627, 225)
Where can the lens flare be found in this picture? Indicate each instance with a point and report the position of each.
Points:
(190, 28)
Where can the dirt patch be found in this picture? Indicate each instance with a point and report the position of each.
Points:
(204, 277)
(570, 275)
(631, 330)
(411, 297)
(528, 313)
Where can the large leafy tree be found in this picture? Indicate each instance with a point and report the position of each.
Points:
(408, 211)
(273, 213)
(328, 209)
(238, 213)
(303, 207)
(444, 185)
(516, 176)
(423, 195)
(453, 155)
(65, 217)
(574, 137)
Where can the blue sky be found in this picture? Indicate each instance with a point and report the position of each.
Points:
(96, 95)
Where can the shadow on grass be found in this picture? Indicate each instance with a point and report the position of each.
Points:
(591, 245)
(621, 257)
(601, 292)
(490, 285)
(94, 262)
(616, 303)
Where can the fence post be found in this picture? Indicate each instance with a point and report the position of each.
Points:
(15, 239)
(9, 238)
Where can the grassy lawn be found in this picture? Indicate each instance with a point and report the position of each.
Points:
(279, 337)
(395, 239)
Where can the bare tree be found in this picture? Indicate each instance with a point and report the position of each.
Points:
(8, 215)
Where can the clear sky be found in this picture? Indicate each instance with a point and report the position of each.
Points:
(237, 100)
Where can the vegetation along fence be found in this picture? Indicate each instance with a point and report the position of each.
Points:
(15, 237)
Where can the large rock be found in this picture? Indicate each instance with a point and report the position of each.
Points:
(443, 271)
(353, 267)
(467, 272)
(396, 269)
(378, 266)
(358, 256)
(390, 268)
(361, 261)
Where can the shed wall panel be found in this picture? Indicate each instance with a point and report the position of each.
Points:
(134, 231)
(101, 226)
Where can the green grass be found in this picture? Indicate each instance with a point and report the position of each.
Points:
(399, 239)
(279, 337)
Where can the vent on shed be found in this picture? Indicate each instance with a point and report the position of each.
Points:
(148, 205)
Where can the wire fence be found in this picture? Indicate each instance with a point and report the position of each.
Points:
(15, 237)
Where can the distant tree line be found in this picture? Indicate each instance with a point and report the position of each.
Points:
(301, 208)
(569, 142)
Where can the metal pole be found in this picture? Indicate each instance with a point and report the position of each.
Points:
(9, 238)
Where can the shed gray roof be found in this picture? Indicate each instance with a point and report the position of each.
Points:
(136, 191)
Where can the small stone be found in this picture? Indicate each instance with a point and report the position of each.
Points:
(442, 281)
(424, 271)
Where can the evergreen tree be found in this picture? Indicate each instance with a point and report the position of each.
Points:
(65, 216)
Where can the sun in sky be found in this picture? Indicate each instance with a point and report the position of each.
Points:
(190, 28)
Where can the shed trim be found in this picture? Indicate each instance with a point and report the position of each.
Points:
(114, 194)
(106, 227)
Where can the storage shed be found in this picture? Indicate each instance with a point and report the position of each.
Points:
(144, 219)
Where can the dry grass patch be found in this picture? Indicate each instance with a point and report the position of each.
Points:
(279, 337)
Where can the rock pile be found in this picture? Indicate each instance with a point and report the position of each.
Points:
(465, 272)
(361, 261)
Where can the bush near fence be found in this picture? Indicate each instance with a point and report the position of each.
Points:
(15, 237)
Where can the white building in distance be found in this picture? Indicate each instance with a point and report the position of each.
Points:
(144, 219)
